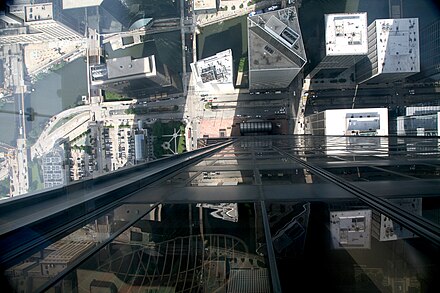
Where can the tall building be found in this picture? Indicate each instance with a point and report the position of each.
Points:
(34, 23)
(393, 51)
(252, 214)
(275, 49)
(430, 56)
(130, 76)
(346, 43)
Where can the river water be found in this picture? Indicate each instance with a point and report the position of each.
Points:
(54, 93)
(229, 34)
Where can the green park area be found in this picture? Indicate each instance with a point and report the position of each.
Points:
(112, 96)
(4, 188)
(163, 132)
(36, 178)
(243, 64)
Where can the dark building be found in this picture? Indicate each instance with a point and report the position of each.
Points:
(255, 214)
(430, 53)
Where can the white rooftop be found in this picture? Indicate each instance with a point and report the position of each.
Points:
(205, 4)
(215, 69)
(342, 121)
(346, 34)
(68, 4)
(125, 66)
(38, 12)
(398, 45)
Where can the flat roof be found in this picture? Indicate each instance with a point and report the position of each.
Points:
(275, 25)
(347, 121)
(346, 34)
(126, 66)
(68, 4)
(38, 12)
(215, 69)
(275, 40)
(205, 4)
(398, 45)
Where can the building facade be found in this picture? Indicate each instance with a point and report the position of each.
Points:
(393, 51)
(346, 43)
(430, 58)
(34, 23)
(363, 216)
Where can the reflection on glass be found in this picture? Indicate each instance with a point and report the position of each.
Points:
(385, 229)
(333, 240)
(224, 211)
(288, 223)
(221, 162)
(217, 178)
(367, 174)
(43, 266)
(351, 229)
(287, 176)
(187, 250)
(417, 170)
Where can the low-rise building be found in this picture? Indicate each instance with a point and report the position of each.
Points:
(215, 72)
(350, 122)
(53, 168)
(205, 5)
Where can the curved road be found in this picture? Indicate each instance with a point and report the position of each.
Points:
(47, 138)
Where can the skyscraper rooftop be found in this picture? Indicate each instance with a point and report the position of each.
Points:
(393, 52)
(275, 44)
(215, 70)
(398, 45)
(123, 68)
(346, 34)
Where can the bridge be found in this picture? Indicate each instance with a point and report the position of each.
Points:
(157, 26)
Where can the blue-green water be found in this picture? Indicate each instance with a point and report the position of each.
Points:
(229, 34)
(58, 91)
(54, 93)
(7, 121)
